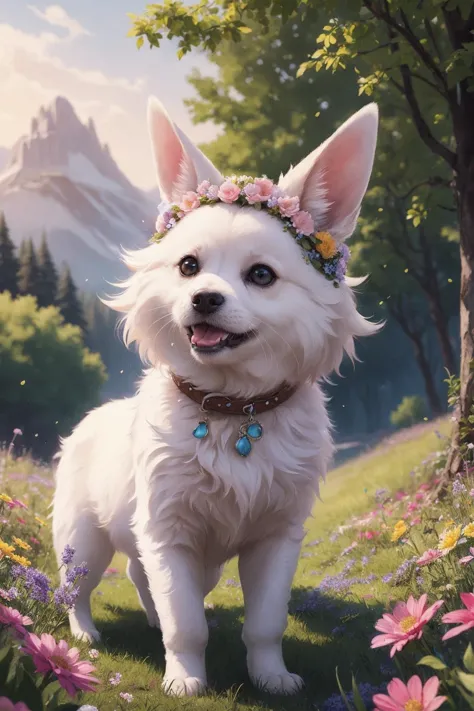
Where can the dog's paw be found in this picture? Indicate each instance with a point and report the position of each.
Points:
(184, 686)
(153, 620)
(86, 635)
(279, 683)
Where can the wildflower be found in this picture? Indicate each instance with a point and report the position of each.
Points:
(413, 696)
(56, 657)
(14, 619)
(405, 624)
(399, 530)
(7, 499)
(428, 557)
(469, 530)
(35, 541)
(126, 697)
(387, 578)
(94, 653)
(78, 571)
(6, 548)
(21, 544)
(21, 560)
(40, 521)
(467, 558)
(115, 679)
(67, 555)
(7, 705)
(464, 618)
(449, 539)
(66, 595)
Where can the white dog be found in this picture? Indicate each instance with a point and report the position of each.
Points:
(227, 313)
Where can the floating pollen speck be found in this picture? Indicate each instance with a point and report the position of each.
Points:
(22, 382)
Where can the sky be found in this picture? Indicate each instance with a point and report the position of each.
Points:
(79, 49)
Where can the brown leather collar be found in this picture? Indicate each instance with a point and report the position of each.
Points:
(231, 405)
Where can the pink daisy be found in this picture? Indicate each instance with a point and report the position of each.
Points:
(405, 623)
(56, 657)
(429, 556)
(463, 618)
(14, 619)
(7, 705)
(410, 697)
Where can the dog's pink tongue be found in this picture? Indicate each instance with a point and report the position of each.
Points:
(205, 335)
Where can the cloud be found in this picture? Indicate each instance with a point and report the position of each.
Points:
(58, 17)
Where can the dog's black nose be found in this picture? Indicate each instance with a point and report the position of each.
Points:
(206, 302)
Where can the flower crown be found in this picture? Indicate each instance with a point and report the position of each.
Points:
(319, 248)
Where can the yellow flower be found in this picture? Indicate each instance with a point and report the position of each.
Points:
(469, 530)
(40, 521)
(449, 539)
(20, 560)
(6, 548)
(398, 531)
(449, 523)
(326, 247)
(7, 499)
(21, 544)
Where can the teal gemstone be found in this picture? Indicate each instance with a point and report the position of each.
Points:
(255, 430)
(201, 430)
(243, 446)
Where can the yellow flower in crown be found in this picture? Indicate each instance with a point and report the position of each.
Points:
(326, 246)
(20, 560)
(21, 544)
(6, 548)
(399, 530)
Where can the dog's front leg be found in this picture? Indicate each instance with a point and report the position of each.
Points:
(176, 579)
(266, 572)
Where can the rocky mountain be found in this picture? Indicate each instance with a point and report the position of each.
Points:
(60, 179)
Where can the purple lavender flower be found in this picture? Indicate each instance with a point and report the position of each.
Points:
(366, 690)
(115, 679)
(68, 555)
(65, 596)
(458, 488)
(78, 571)
(13, 593)
(36, 583)
(341, 269)
(387, 578)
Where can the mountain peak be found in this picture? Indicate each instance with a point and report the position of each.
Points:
(58, 141)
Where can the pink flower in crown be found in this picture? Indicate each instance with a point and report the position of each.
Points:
(252, 193)
(160, 224)
(265, 186)
(203, 187)
(303, 223)
(228, 192)
(288, 206)
(190, 201)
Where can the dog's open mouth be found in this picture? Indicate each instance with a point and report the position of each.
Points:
(210, 339)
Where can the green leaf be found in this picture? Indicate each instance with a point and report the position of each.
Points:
(245, 30)
(358, 701)
(467, 680)
(468, 658)
(341, 690)
(432, 662)
(140, 42)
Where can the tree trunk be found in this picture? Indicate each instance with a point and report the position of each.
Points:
(425, 369)
(441, 326)
(465, 188)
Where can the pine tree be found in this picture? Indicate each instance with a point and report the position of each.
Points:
(48, 278)
(67, 299)
(28, 273)
(8, 260)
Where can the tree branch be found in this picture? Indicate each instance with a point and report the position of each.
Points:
(422, 127)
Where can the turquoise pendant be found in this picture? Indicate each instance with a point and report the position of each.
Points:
(243, 446)
(201, 431)
(255, 430)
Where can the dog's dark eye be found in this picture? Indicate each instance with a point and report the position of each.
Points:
(189, 266)
(261, 275)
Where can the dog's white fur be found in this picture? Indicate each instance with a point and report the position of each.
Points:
(132, 477)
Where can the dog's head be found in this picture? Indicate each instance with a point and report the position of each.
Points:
(226, 298)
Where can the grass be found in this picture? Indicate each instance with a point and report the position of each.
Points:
(336, 634)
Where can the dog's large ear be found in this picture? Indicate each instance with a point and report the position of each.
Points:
(331, 181)
(180, 165)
